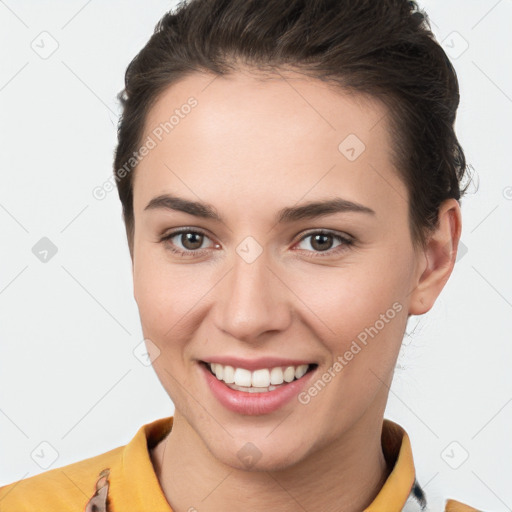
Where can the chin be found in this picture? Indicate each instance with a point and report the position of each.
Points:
(252, 459)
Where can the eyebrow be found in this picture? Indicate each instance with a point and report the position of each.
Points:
(309, 210)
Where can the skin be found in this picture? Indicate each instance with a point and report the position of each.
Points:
(249, 148)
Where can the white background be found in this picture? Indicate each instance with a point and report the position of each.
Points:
(68, 327)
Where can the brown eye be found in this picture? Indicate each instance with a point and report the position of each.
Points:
(186, 242)
(191, 240)
(323, 242)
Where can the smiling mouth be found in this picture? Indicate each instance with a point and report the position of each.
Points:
(258, 381)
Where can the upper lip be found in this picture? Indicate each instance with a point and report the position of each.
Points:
(256, 363)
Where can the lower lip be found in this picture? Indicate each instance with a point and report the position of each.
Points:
(253, 404)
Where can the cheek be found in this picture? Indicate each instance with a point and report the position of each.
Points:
(349, 299)
(167, 295)
(360, 318)
(363, 302)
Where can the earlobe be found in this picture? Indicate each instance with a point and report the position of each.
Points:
(438, 258)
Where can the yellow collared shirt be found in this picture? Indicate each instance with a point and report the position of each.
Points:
(124, 480)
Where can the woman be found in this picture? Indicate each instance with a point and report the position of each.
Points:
(290, 182)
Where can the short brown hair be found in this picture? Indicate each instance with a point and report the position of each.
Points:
(382, 48)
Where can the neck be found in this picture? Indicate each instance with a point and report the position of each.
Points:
(345, 475)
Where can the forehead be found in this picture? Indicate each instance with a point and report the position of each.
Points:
(288, 133)
(264, 105)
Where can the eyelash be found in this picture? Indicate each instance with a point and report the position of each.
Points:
(345, 242)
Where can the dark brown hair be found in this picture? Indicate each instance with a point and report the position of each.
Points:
(381, 48)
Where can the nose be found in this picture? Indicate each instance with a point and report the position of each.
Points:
(253, 300)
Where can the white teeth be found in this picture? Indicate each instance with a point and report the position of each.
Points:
(301, 370)
(289, 374)
(252, 390)
(242, 377)
(276, 376)
(259, 380)
(229, 375)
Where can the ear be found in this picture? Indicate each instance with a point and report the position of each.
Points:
(436, 261)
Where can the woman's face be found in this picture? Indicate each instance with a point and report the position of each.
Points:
(260, 283)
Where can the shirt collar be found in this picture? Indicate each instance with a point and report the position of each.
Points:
(136, 482)
(401, 488)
